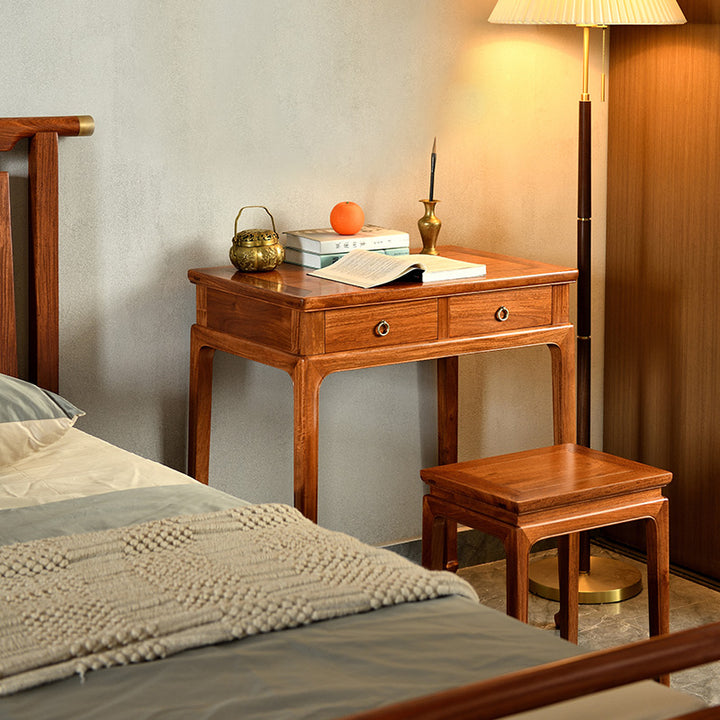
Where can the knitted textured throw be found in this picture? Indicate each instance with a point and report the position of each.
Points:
(144, 592)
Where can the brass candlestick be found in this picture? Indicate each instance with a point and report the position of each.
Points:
(429, 226)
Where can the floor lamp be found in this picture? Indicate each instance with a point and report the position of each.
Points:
(601, 580)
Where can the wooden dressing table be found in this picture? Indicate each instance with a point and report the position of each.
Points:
(311, 327)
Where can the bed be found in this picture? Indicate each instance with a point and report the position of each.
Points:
(131, 590)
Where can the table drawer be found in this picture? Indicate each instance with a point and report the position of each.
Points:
(500, 311)
(381, 325)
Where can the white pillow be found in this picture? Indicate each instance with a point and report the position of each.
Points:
(30, 418)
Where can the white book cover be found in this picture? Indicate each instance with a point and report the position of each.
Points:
(311, 260)
(326, 241)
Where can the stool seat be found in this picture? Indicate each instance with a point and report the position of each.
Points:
(556, 491)
(546, 478)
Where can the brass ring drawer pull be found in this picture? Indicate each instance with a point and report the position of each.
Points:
(382, 328)
(502, 314)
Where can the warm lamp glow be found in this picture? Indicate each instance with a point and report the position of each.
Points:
(588, 12)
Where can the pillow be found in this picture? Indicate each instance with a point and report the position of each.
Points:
(30, 418)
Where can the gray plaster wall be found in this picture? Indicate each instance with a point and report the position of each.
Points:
(204, 107)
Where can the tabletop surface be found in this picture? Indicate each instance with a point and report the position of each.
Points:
(291, 285)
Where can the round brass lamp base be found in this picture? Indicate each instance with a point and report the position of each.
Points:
(608, 581)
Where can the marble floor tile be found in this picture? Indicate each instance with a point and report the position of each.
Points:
(611, 624)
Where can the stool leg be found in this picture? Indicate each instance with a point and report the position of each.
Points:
(451, 546)
(439, 536)
(658, 564)
(517, 560)
(568, 577)
(433, 538)
(657, 535)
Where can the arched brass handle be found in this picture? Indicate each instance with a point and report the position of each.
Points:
(262, 207)
(382, 328)
(502, 314)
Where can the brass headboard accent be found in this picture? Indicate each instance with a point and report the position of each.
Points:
(43, 134)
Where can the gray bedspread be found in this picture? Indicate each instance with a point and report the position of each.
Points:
(325, 670)
(142, 593)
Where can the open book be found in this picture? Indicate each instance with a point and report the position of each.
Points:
(368, 269)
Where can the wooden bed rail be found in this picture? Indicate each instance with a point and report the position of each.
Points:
(14, 129)
(8, 332)
(44, 343)
(564, 680)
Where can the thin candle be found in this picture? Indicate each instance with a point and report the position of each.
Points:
(432, 168)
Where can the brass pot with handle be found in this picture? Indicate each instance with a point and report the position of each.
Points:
(256, 250)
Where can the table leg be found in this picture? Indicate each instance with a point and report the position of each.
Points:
(562, 355)
(200, 407)
(570, 559)
(306, 391)
(447, 421)
(447, 402)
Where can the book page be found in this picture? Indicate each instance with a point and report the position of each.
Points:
(440, 264)
(366, 269)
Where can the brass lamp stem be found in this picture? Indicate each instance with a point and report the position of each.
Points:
(604, 61)
(586, 62)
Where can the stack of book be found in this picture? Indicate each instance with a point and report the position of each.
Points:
(320, 248)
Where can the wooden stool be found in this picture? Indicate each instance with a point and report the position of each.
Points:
(551, 492)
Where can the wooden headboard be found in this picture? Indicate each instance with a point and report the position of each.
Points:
(43, 133)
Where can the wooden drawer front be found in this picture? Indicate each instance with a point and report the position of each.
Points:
(500, 311)
(380, 325)
(250, 319)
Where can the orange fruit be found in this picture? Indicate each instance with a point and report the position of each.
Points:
(347, 218)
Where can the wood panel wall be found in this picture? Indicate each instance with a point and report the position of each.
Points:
(662, 344)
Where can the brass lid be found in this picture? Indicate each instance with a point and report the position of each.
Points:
(256, 238)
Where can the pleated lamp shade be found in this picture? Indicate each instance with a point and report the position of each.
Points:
(588, 12)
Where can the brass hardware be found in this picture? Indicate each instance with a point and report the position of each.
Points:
(586, 62)
(502, 314)
(382, 328)
(609, 581)
(603, 74)
(256, 250)
(87, 125)
(429, 226)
